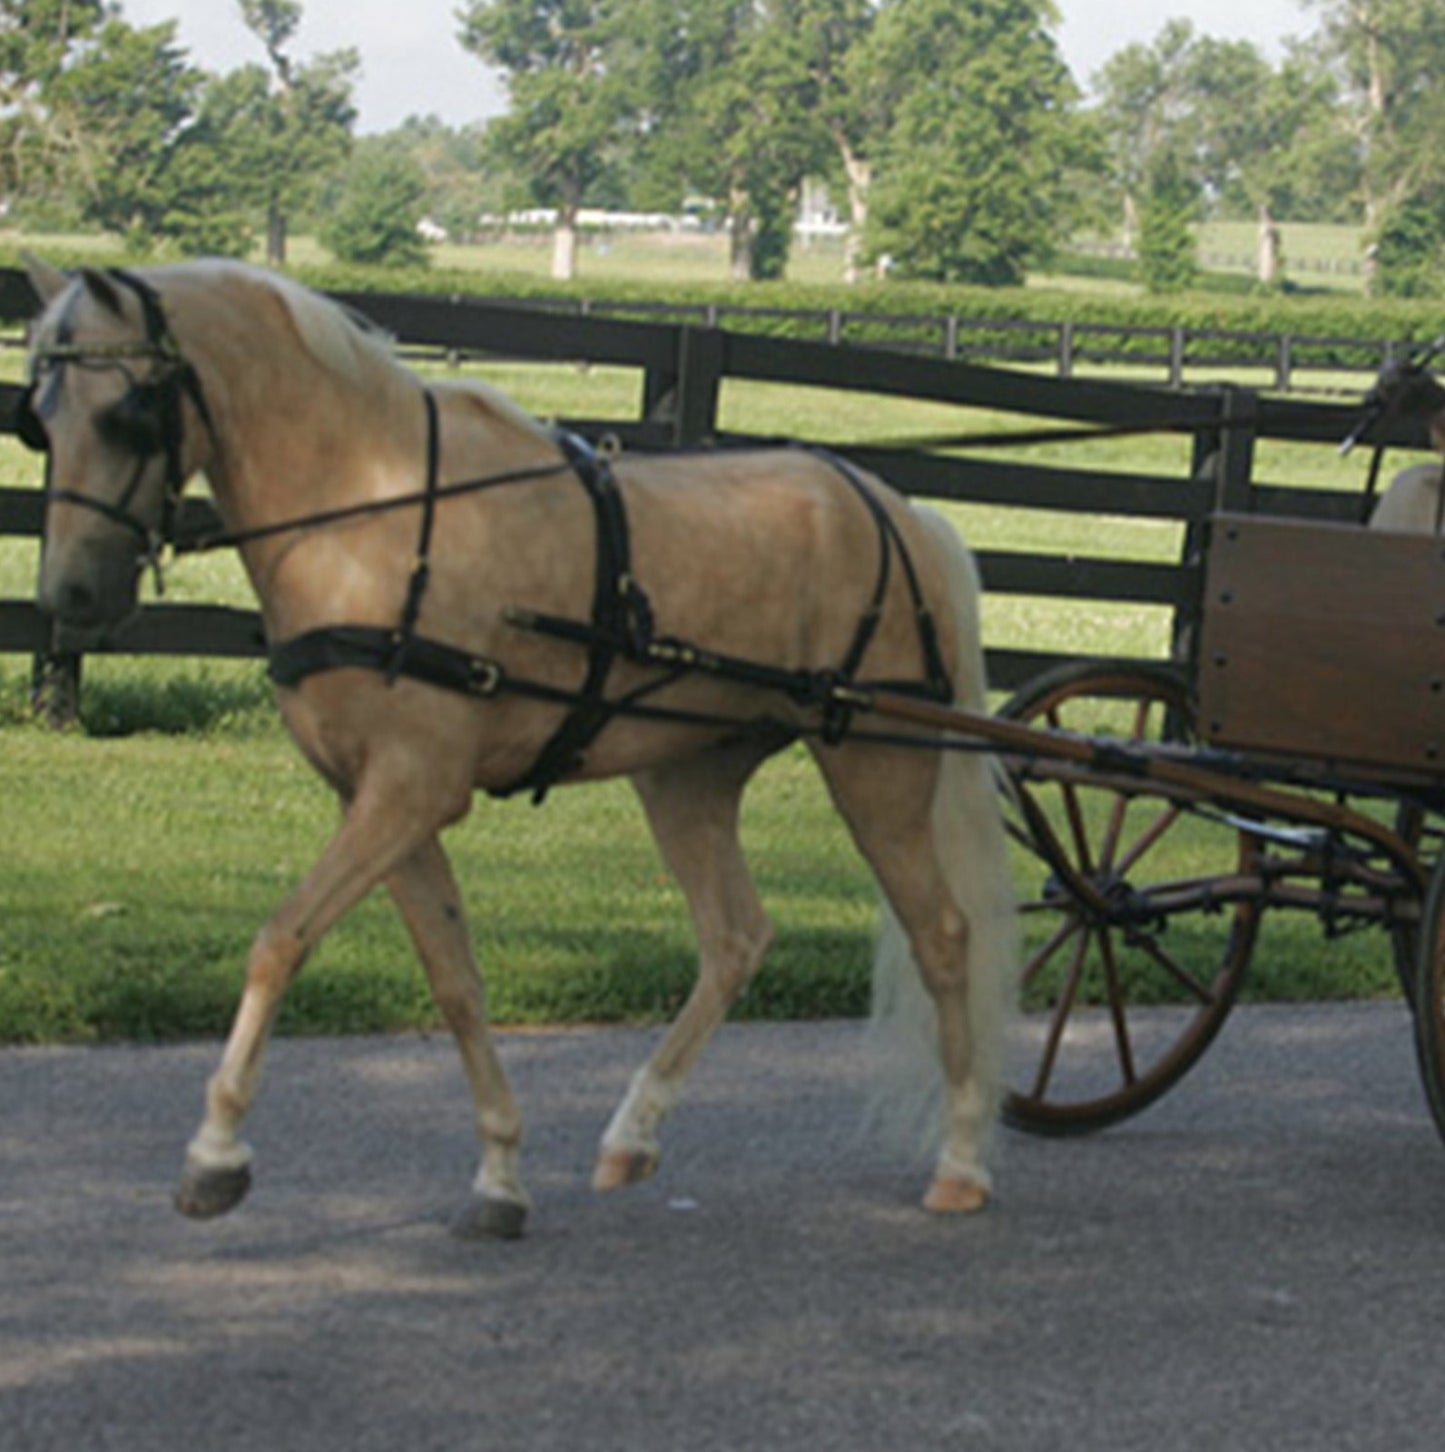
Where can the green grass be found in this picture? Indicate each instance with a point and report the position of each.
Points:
(141, 867)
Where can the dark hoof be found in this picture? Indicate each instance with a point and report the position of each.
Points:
(483, 1219)
(205, 1193)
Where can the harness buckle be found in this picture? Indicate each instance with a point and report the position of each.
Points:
(484, 677)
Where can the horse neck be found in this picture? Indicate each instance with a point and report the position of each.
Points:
(294, 437)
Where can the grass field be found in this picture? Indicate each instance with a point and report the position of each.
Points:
(1318, 254)
(143, 851)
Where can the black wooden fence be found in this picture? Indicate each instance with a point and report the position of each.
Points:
(682, 369)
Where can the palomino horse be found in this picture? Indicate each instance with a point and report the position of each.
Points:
(456, 598)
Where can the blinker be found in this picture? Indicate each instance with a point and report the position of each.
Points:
(37, 403)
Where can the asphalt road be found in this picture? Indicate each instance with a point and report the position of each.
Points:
(1256, 1263)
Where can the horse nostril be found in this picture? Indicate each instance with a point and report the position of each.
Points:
(72, 602)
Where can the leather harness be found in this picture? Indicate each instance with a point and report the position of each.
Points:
(621, 627)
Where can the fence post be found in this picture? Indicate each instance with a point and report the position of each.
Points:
(55, 688)
(1283, 362)
(1066, 350)
(1176, 358)
(1234, 463)
(686, 397)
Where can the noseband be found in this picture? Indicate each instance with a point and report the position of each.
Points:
(146, 421)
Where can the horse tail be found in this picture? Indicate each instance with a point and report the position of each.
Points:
(972, 850)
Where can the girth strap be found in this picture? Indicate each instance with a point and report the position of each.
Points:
(373, 647)
(621, 618)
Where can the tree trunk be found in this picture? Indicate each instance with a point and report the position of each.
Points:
(564, 246)
(859, 172)
(275, 233)
(1268, 257)
(740, 237)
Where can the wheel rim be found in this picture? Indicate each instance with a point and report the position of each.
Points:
(1128, 973)
(1430, 998)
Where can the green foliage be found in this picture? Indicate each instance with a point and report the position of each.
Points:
(129, 96)
(1410, 251)
(970, 180)
(1166, 228)
(374, 221)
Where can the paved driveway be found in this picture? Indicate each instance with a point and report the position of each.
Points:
(1257, 1263)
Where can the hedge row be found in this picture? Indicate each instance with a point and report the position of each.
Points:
(1007, 321)
(990, 321)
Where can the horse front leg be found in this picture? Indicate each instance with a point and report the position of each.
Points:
(377, 831)
(425, 891)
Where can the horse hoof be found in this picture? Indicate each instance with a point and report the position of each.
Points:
(955, 1197)
(619, 1167)
(488, 1219)
(205, 1191)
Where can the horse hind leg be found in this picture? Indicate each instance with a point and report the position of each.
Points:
(692, 808)
(424, 890)
(949, 929)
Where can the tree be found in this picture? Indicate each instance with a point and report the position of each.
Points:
(972, 180)
(302, 124)
(1216, 117)
(567, 106)
(1389, 55)
(382, 200)
(37, 38)
(1143, 102)
(753, 138)
(1245, 119)
(1166, 226)
(129, 94)
(846, 101)
(460, 182)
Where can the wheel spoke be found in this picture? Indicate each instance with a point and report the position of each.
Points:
(1149, 837)
(1060, 1020)
(1115, 991)
(1181, 975)
(1073, 811)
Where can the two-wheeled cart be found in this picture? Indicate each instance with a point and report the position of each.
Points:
(1297, 761)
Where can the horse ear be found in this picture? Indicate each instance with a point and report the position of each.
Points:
(102, 289)
(49, 282)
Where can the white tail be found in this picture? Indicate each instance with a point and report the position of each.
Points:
(972, 849)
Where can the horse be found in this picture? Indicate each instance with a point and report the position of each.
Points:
(457, 598)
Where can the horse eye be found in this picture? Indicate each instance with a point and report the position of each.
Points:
(133, 424)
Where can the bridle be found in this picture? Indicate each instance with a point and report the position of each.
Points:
(147, 420)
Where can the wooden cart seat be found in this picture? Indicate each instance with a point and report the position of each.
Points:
(1324, 641)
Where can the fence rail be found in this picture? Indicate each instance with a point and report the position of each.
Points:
(683, 368)
(1316, 364)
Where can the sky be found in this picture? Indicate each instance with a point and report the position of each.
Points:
(412, 64)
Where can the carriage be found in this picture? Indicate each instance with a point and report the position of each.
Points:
(431, 632)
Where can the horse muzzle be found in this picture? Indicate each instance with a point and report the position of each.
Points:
(92, 586)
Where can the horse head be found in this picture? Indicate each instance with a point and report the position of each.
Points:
(115, 404)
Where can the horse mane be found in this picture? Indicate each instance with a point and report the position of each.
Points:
(344, 341)
(337, 337)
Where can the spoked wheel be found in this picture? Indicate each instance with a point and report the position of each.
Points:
(1138, 912)
(1430, 997)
